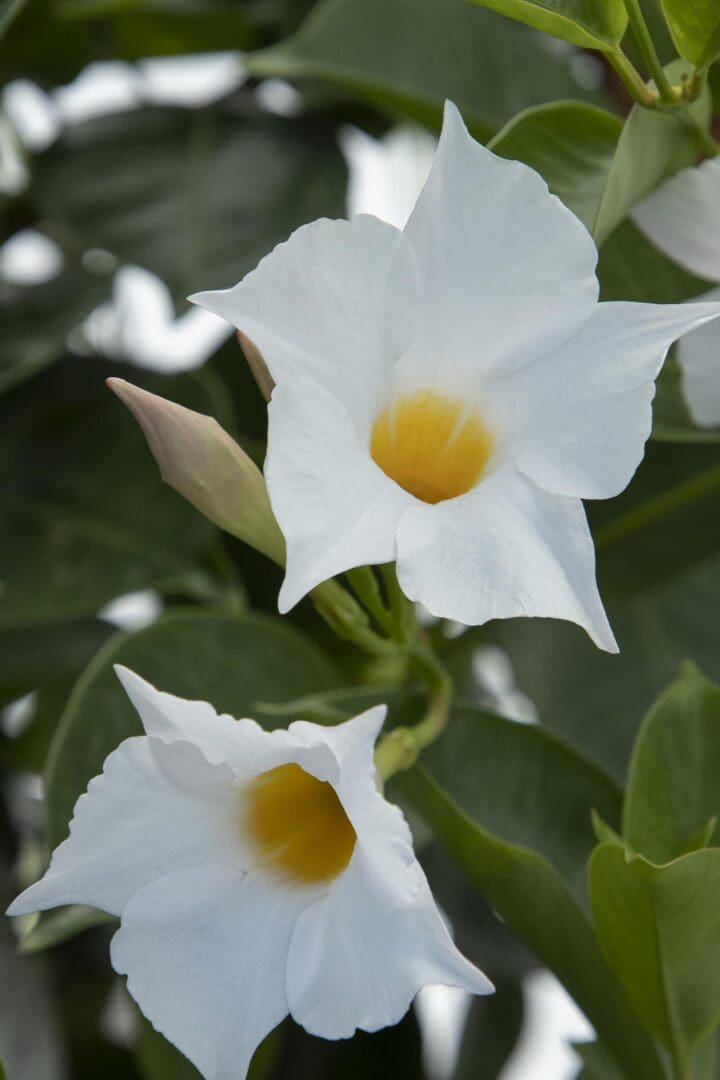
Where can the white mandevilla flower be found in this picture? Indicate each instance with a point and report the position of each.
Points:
(447, 395)
(682, 218)
(255, 874)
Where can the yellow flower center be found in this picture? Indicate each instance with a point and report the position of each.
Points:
(298, 825)
(431, 445)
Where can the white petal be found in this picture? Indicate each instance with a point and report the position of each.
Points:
(584, 412)
(699, 358)
(335, 303)
(506, 270)
(205, 954)
(154, 808)
(505, 549)
(359, 955)
(353, 744)
(335, 507)
(681, 218)
(241, 744)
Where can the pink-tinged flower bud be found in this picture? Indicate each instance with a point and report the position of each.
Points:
(207, 467)
(257, 365)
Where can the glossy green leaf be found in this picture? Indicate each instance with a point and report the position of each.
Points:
(695, 27)
(594, 24)
(171, 190)
(570, 144)
(86, 516)
(408, 56)
(652, 147)
(599, 167)
(660, 930)
(526, 787)
(508, 876)
(77, 32)
(231, 661)
(672, 789)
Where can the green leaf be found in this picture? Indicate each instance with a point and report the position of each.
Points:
(45, 661)
(660, 929)
(672, 790)
(695, 27)
(171, 190)
(30, 657)
(652, 147)
(599, 167)
(408, 56)
(158, 1059)
(526, 787)
(86, 516)
(570, 144)
(598, 1064)
(630, 268)
(666, 521)
(555, 663)
(38, 318)
(231, 661)
(530, 897)
(594, 24)
(52, 928)
(76, 32)
(9, 11)
(671, 417)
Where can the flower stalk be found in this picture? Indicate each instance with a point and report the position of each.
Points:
(400, 749)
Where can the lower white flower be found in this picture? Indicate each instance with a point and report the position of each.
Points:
(255, 874)
(446, 395)
(682, 220)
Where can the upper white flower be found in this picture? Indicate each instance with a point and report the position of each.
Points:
(682, 218)
(255, 873)
(446, 395)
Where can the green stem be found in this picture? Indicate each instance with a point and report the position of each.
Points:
(349, 621)
(400, 749)
(632, 79)
(365, 586)
(648, 51)
(402, 610)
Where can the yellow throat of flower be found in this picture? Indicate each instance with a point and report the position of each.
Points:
(298, 825)
(430, 445)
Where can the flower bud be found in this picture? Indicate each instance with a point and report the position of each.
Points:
(207, 467)
(257, 365)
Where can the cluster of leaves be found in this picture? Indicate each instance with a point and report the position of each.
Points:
(592, 837)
